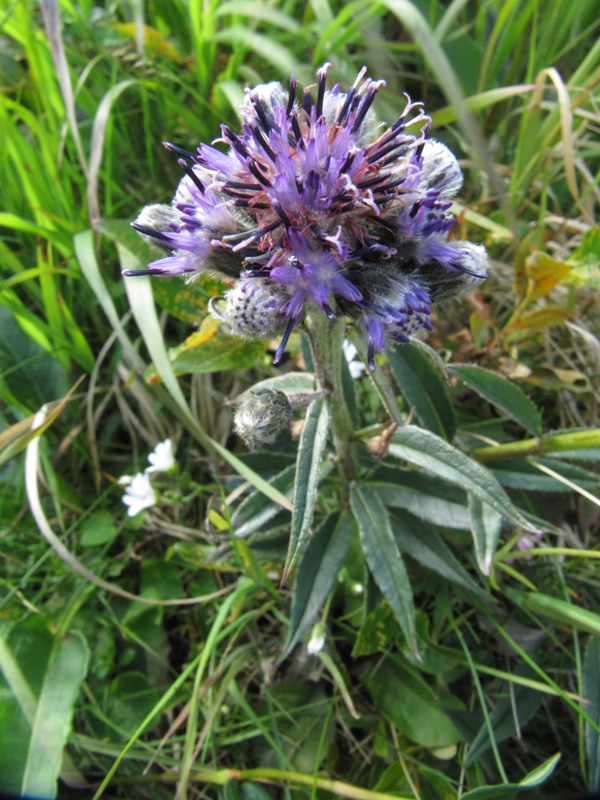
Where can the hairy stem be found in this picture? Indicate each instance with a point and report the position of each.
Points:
(326, 339)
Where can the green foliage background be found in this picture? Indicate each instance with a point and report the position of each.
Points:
(161, 654)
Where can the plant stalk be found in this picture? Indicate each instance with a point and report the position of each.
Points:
(326, 339)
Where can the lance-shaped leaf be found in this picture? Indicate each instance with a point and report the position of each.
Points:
(486, 524)
(383, 557)
(423, 387)
(425, 449)
(503, 394)
(429, 549)
(317, 572)
(310, 454)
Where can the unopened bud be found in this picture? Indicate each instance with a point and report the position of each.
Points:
(261, 416)
(252, 308)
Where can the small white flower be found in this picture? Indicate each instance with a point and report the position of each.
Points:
(356, 367)
(317, 639)
(139, 494)
(161, 459)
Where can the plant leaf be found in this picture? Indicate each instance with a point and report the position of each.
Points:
(503, 394)
(383, 557)
(258, 509)
(425, 496)
(424, 449)
(308, 463)
(317, 572)
(591, 692)
(486, 524)
(43, 674)
(513, 709)
(423, 388)
(430, 550)
(409, 703)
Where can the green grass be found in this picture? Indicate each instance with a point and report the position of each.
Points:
(149, 649)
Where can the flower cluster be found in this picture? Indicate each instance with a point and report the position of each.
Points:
(139, 493)
(315, 206)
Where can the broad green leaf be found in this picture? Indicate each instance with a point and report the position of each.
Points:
(310, 454)
(548, 316)
(424, 449)
(430, 550)
(511, 712)
(160, 579)
(591, 692)
(289, 383)
(383, 557)
(585, 261)
(408, 702)
(425, 496)
(40, 680)
(98, 529)
(317, 573)
(544, 273)
(423, 387)
(503, 394)
(211, 352)
(131, 699)
(187, 300)
(486, 524)
(377, 631)
(52, 724)
(32, 376)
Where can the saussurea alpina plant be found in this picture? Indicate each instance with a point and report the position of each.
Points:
(317, 212)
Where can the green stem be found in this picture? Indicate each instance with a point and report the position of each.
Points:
(559, 443)
(265, 775)
(326, 340)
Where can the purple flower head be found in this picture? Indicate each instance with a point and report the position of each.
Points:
(328, 209)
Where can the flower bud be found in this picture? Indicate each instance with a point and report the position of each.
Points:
(261, 416)
(252, 308)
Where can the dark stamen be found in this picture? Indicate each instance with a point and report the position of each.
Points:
(344, 109)
(262, 142)
(296, 126)
(235, 142)
(348, 162)
(241, 186)
(266, 123)
(371, 356)
(307, 102)
(189, 171)
(364, 107)
(282, 215)
(253, 168)
(179, 150)
(154, 273)
(291, 96)
(321, 92)
(290, 327)
(149, 232)
(328, 311)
